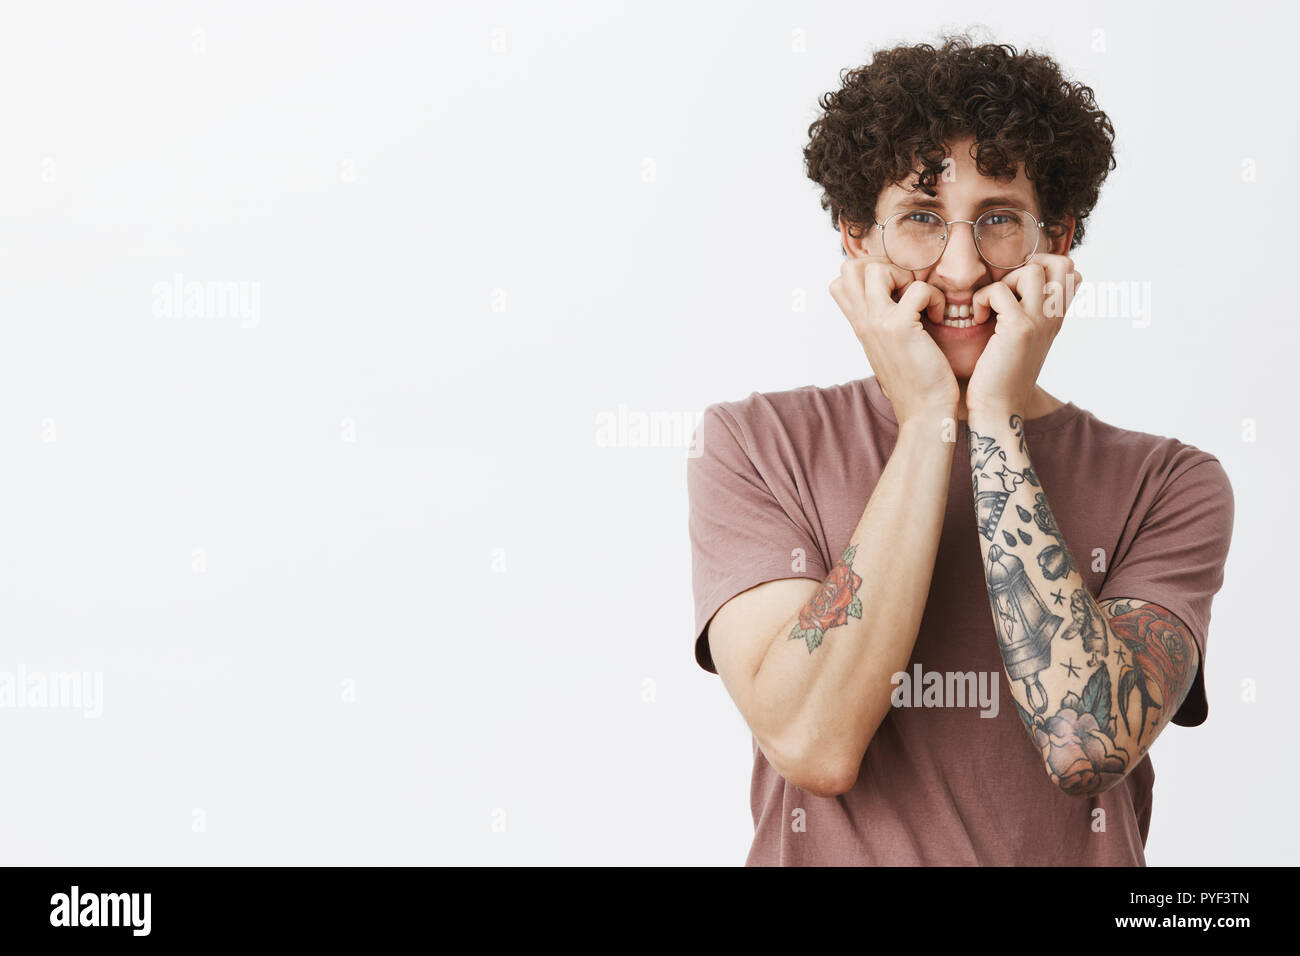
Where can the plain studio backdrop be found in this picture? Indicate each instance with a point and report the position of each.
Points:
(332, 532)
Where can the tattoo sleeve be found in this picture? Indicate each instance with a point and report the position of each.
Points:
(1094, 683)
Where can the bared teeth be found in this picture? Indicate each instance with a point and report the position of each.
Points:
(959, 316)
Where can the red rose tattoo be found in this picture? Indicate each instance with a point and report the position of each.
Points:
(1160, 672)
(833, 605)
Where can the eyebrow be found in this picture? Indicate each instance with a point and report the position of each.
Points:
(926, 202)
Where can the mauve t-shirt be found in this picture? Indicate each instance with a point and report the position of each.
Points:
(782, 471)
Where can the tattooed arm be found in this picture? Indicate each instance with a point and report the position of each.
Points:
(1095, 683)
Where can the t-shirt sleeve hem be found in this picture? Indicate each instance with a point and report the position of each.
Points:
(728, 589)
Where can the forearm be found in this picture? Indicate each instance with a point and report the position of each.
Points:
(1067, 668)
(828, 670)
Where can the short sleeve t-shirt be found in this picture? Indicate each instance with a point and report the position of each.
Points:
(777, 486)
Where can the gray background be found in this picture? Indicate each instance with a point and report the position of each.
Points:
(361, 580)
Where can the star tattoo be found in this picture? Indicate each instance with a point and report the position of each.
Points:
(1058, 597)
(1071, 667)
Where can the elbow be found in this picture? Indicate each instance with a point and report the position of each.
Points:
(1080, 762)
(1086, 783)
(829, 767)
(820, 760)
(818, 771)
(833, 783)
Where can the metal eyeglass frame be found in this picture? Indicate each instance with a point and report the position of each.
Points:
(948, 232)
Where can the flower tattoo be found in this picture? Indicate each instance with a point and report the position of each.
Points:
(833, 605)
(1161, 661)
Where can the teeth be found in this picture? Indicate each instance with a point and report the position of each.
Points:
(958, 317)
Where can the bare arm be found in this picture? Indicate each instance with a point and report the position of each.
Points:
(810, 666)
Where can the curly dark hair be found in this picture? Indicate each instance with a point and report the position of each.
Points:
(902, 107)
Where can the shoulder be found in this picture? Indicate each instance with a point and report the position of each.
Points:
(792, 410)
(785, 431)
(1158, 458)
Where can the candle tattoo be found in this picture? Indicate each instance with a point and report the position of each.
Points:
(1024, 624)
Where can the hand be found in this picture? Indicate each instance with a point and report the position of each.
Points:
(912, 369)
(1004, 378)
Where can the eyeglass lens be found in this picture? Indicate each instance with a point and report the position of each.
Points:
(1006, 238)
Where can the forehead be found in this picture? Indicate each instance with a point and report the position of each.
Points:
(962, 187)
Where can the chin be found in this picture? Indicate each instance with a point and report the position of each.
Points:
(962, 361)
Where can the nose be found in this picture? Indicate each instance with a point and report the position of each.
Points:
(960, 266)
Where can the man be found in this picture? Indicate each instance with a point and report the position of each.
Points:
(954, 610)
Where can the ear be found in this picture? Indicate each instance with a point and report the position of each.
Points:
(853, 238)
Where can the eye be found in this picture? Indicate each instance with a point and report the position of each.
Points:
(922, 218)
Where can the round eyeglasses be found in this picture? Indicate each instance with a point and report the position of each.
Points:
(915, 239)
